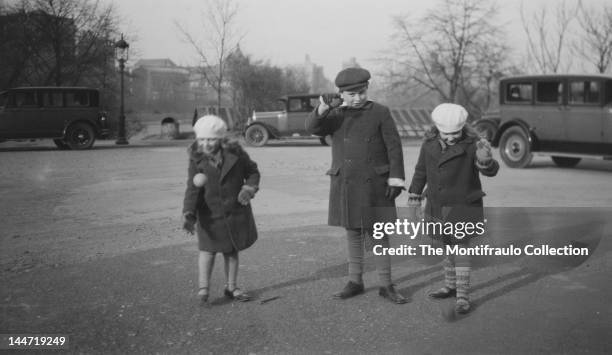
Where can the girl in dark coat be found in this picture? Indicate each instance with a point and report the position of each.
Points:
(222, 179)
(451, 160)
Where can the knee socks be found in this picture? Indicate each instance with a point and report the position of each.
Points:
(355, 255)
(355, 240)
(450, 278)
(463, 281)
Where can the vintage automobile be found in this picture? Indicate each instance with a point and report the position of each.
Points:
(567, 117)
(71, 116)
(289, 122)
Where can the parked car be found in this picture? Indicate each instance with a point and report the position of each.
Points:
(288, 122)
(71, 116)
(567, 117)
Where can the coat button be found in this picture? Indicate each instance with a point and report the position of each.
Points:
(368, 180)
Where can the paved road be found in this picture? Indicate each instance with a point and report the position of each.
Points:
(90, 246)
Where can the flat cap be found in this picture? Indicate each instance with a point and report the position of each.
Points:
(352, 79)
(449, 118)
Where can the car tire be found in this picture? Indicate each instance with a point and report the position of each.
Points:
(256, 135)
(514, 148)
(60, 144)
(80, 136)
(486, 130)
(565, 162)
(326, 141)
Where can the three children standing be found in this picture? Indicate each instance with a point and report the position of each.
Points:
(367, 171)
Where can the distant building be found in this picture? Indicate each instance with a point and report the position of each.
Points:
(315, 77)
(159, 85)
(351, 63)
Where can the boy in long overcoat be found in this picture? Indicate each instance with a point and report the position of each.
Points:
(367, 171)
(221, 181)
(450, 162)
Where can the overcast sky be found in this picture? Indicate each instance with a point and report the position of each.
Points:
(285, 31)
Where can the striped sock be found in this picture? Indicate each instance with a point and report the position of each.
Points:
(450, 280)
(463, 281)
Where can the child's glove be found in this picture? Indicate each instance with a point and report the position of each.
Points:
(483, 152)
(189, 221)
(392, 192)
(333, 100)
(246, 194)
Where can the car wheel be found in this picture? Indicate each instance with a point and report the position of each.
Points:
(486, 130)
(80, 136)
(256, 135)
(61, 144)
(565, 162)
(514, 148)
(327, 140)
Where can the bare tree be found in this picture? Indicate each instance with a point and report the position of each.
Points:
(594, 42)
(64, 42)
(217, 40)
(547, 38)
(450, 51)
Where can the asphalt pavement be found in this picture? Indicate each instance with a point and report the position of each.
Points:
(143, 299)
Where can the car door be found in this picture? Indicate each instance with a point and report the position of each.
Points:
(607, 112)
(548, 119)
(584, 115)
(298, 110)
(53, 114)
(25, 115)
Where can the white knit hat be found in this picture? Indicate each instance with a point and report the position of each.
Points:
(210, 126)
(449, 118)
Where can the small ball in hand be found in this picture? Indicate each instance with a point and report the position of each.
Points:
(199, 180)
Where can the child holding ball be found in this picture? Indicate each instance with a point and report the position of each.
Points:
(222, 179)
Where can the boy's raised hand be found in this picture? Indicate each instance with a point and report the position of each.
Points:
(323, 106)
(483, 152)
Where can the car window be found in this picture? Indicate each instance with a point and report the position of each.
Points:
(549, 92)
(306, 106)
(52, 99)
(25, 99)
(77, 99)
(584, 92)
(608, 99)
(519, 92)
(314, 101)
(295, 105)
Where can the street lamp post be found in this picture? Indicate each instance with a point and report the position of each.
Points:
(121, 52)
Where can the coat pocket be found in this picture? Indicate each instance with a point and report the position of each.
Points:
(333, 171)
(474, 196)
(381, 170)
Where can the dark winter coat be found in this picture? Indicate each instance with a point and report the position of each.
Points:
(366, 151)
(223, 224)
(451, 176)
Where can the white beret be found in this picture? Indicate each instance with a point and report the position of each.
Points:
(449, 118)
(210, 126)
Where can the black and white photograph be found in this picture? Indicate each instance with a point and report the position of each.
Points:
(305, 177)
